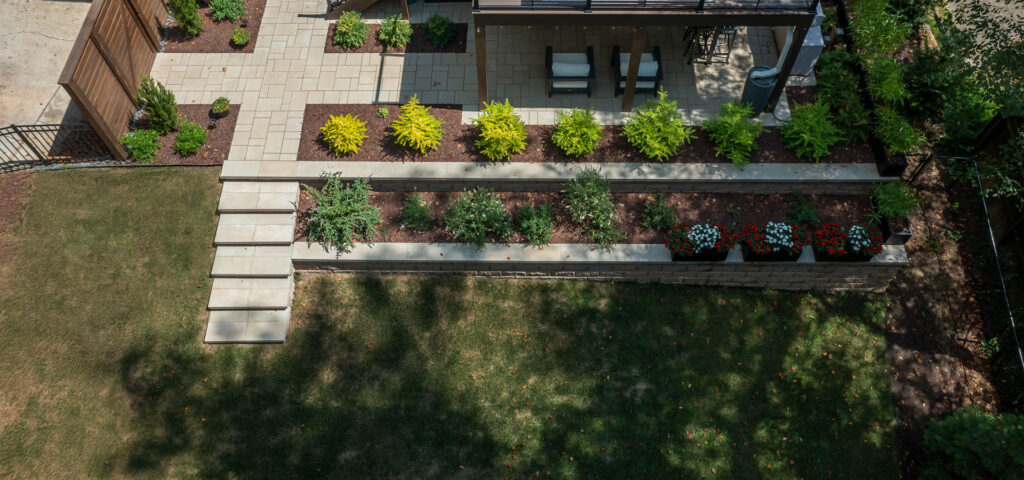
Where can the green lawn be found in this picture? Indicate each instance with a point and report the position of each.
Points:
(105, 376)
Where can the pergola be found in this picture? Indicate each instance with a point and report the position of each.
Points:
(639, 14)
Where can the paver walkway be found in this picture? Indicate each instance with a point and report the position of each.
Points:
(289, 69)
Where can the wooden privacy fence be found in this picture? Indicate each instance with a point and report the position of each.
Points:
(116, 46)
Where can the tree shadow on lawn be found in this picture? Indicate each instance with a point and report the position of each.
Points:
(453, 378)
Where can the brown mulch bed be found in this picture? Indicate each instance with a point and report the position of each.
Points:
(690, 208)
(457, 143)
(418, 44)
(218, 139)
(801, 95)
(216, 36)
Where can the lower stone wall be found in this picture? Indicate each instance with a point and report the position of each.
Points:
(627, 186)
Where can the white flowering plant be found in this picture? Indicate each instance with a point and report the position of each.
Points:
(863, 240)
(700, 238)
(775, 237)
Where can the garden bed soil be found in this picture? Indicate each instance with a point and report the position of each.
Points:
(216, 36)
(418, 44)
(457, 144)
(218, 139)
(690, 208)
(801, 95)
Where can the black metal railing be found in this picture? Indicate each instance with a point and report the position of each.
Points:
(695, 5)
(26, 146)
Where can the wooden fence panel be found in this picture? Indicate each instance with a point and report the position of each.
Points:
(116, 46)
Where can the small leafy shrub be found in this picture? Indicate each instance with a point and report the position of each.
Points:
(350, 31)
(160, 106)
(810, 132)
(395, 32)
(221, 105)
(588, 198)
(502, 132)
(895, 132)
(895, 199)
(416, 213)
(344, 134)
(190, 138)
(536, 224)
(440, 30)
(657, 214)
(838, 87)
(186, 14)
(240, 37)
(475, 214)
(974, 444)
(878, 31)
(229, 10)
(382, 112)
(733, 133)
(700, 238)
(141, 144)
(342, 213)
(775, 237)
(577, 133)
(802, 211)
(864, 240)
(657, 129)
(885, 81)
(416, 128)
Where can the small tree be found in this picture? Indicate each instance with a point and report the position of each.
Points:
(186, 13)
(160, 106)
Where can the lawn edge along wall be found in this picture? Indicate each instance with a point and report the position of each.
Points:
(646, 263)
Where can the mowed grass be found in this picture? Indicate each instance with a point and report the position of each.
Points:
(104, 375)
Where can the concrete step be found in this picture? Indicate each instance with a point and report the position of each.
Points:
(252, 261)
(259, 197)
(255, 229)
(235, 293)
(248, 326)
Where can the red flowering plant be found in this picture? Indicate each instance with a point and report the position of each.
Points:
(775, 237)
(830, 239)
(701, 238)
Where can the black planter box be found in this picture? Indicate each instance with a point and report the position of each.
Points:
(701, 256)
(890, 237)
(850, 257)
(749, 255)
(888, 165)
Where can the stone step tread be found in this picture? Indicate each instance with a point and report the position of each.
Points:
(247, 326)
(258, 197)
(241, 293)
(227, 266)
(255, 229)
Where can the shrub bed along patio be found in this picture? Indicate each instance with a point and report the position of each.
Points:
(457, 143)
(218, 139)
(419, 43)
(216, 36)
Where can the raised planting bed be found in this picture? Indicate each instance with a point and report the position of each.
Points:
(418, 44)
(216, 36)
(457, 144)
(218, 139)
(690, 208)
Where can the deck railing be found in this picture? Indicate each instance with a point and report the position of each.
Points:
(695, 5)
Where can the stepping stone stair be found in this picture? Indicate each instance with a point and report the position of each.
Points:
(252, 270)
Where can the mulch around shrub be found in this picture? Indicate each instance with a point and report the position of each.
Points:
(216, 36)
(690, 208)
(457, 143)
(418, 44)
(801, 95)
(218, 139)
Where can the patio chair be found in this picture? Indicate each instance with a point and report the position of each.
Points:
(648, 78)
(569, 72)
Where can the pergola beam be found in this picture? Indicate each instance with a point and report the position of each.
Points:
(635, 52)
(612, 18)
(481, 63)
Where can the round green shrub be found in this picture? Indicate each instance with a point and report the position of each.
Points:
(502, 132)
(350, 31)
(657, 129)
(141, 144)
(536, 224)
(342, 213)
(416, 213)
(733, 132)
(577, 133)
(190, 138)
(475, 214)
(588, 198)
(229, 10)
(440, 30)
(240, 37)
(343, 134)
(416, 128)
(810, 132)
(395, 32)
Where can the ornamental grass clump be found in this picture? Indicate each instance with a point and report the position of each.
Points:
(588, 198)
(395, 32)
(416, 213)
(536, 224)
(344, 134)
(141, 144)
(342, 213)
(416, 128)
(809, 131)
(774, 238)
(502, 132)
(475, 214)
(700, 239)
(577, 133)
(657, 129)
(350, 31)
(734, 133)
(657, 214)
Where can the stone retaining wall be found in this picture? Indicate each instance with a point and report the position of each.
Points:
(634, 263)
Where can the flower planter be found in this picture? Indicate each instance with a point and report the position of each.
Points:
(701, 256)
(220, 114)
(847, 258)
(749, 255)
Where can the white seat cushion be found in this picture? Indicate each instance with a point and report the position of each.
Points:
(647, 69)
(644, 58)
(569, 58)
(580, 84)
(570, 69)
(638, 84)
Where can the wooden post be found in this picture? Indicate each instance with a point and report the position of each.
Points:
(481, 64)
(635, 52)
(799, 33)
(405, 9)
